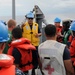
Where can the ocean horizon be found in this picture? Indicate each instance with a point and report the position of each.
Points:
(49, 18)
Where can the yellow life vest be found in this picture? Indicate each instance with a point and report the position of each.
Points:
(30, 34)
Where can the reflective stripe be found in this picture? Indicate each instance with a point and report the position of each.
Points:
(27, 27)
(4, 57)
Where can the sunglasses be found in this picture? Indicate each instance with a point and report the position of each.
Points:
(30, 18)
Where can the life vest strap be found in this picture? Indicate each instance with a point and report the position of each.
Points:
(29, 63)
(0, 68)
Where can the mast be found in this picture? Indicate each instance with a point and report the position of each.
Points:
(13, 9)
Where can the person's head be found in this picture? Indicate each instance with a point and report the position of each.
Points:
(11, 24)
(30, 17)
(50, 31)
(3, 36)
(16, 33)
(57, 22)
(66, 25)
(72, 28)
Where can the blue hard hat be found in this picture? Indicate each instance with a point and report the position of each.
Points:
(72, 27)
(57, 20)
(30, 15)
(3, 22)
(73, 20)
(3, 32)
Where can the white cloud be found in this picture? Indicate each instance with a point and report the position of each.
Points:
(48, 7)
(18, 5)
(5, 3)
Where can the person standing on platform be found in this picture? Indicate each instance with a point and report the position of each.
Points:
(11, 24)
(54, 56)
(32, 32)
(7, 66)
(57, 22)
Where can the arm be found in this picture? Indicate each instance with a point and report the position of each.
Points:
(16, 54)
(39, 33)
(68, 66)
(67, 62)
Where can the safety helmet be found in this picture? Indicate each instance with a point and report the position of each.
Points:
(73, 20)
(3, 32)
(67, 23)
(3, 22)
(72, 27)
(30, 15)
(58, 20)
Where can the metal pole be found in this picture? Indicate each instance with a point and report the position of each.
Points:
(35, 12)
(13, 9)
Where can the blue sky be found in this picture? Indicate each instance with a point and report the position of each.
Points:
(59, 8)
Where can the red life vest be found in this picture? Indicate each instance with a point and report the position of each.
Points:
(6, 65)
(25, 48)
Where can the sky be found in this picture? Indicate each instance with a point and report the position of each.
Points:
(64, 9)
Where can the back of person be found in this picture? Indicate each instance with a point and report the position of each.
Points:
(11, 24)
(25, 50)
(21, 50)
(6, 61)
(54, 56)
(51, 53)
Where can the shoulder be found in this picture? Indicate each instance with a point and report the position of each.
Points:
(25, 24)
(42, 44)
(61, 45)
(36, 24)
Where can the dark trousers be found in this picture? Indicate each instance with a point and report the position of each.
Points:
(35, 60)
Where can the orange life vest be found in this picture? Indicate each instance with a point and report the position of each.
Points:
(70, 38)
(6, 65)
(25, 48)
(59, 37)
(59, 29)
(72, 50)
